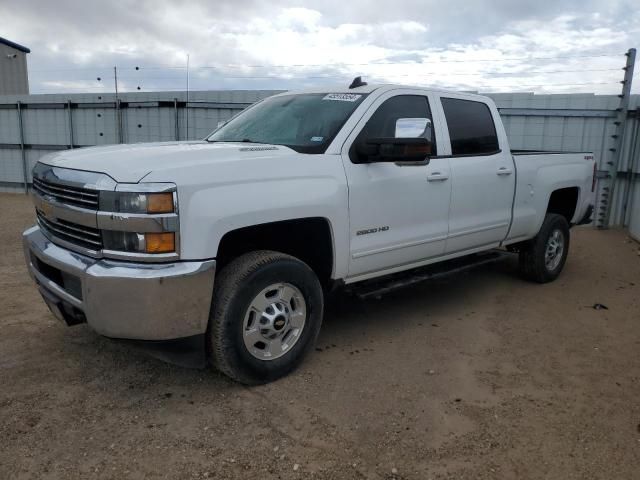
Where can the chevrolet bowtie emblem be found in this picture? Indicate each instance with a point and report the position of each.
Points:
(47, 209)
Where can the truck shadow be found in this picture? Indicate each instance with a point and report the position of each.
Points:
(342, 309)
(349, 323)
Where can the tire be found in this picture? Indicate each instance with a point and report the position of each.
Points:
(259, 298)
(536, 262)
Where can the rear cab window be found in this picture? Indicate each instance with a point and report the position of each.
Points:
(471, 127)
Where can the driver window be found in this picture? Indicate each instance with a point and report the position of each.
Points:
(410, 110)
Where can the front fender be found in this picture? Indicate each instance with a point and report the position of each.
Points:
(209, 210)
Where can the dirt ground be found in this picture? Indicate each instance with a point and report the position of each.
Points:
(482, 376)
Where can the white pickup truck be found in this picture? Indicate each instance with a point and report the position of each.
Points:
(221, 251)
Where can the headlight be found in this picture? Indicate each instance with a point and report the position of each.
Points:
(164, 242)
(143, 221)
(132, 202)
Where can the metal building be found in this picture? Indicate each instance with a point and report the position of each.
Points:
(14, 75)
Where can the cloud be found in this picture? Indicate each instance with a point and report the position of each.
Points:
(483, 45)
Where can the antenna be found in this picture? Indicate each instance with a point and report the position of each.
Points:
(357, 82)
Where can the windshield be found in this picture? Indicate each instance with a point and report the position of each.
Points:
(306, 123)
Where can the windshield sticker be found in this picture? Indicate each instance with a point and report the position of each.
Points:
(342, 97)
(317, 139)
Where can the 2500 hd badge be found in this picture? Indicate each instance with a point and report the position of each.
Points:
(372, 230)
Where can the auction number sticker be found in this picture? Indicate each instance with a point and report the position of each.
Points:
(342, 97)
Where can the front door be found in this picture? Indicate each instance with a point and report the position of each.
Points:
(398, 213)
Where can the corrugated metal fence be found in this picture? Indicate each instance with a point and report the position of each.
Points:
(33, 125)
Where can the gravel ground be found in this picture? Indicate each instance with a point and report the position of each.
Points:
(483, 376)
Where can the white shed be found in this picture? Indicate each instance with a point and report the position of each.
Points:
(14, 76)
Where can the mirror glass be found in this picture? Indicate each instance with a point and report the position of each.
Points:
(411, 127)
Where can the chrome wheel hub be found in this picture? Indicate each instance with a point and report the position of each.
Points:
(274, 321)
(554, 250)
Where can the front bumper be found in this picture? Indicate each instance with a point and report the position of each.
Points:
(138, 301)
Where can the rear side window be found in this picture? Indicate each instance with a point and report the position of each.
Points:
(471, 127)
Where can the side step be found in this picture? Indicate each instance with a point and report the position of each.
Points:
(379, 286)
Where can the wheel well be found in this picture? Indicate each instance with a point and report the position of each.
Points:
(564, 202)
(308, 239)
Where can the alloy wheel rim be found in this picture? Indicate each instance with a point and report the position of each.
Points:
(554, 250)
(274, 321)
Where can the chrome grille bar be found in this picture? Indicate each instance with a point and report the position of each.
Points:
(76, 196)
(78, 234)
(90, 232)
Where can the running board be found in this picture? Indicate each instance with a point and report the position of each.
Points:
(396, 281)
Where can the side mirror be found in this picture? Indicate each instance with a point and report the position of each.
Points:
(411, 143)
(395, 150)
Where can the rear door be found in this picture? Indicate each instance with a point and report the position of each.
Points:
(398, 213)
(482, 174)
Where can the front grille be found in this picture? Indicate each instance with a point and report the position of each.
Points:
(86, 237)
(79, 197)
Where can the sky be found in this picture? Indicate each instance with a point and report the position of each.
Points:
(543, 46)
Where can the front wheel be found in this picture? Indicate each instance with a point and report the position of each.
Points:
(266, 315)
(544, 257)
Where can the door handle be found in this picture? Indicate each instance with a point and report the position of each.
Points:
(437, 177)
(504, 171)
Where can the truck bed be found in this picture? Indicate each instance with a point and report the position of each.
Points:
(538, 174)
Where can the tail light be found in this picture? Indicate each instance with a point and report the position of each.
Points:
(593, 180)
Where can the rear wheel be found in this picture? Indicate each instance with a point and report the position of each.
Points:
(544, 257)
(266, 315)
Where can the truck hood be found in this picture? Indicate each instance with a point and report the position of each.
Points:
(131, 163)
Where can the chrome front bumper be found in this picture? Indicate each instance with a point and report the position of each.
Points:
(139, 301)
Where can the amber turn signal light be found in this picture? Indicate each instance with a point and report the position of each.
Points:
(160, 242)
(160, 202)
